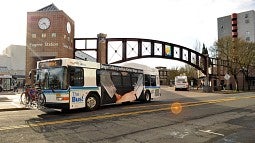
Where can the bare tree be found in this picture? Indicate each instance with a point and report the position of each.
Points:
(213, 52)
(226, 49)
(238, 53)
(247, 59)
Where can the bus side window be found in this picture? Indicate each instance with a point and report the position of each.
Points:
(76, 76)
(116, 78)
(72, 79)
(126, 80)
(147, 80)
(98, 72)
(153, 80)
(134, 79)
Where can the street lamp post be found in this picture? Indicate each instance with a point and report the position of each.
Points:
(243, 71)
(243, 79)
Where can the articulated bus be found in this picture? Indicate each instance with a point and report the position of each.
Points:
(151, 79)
(72, 84)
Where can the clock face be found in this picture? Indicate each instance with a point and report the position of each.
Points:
(44, 23)
(68, 27)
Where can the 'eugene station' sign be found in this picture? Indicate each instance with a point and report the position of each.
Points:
(45, 44)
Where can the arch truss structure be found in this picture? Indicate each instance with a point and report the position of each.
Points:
(118, 50)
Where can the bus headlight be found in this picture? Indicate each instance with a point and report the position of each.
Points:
(62, 98)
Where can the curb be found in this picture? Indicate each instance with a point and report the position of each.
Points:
(13, 109)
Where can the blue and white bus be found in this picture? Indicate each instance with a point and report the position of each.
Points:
(72, 83)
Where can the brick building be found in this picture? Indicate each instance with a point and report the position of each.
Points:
(50, 34)
(238, 25)
(163, 75)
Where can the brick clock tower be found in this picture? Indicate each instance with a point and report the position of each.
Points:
(50, 34)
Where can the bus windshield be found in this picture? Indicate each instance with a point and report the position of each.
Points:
(52, 78)
(181, 80)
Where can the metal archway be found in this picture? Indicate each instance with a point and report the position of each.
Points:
(118, 50)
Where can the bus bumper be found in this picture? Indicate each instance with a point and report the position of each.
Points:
(57, 105)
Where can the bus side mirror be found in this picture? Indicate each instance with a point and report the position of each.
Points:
(30, 75)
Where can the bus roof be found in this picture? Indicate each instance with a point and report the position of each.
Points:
(121, 68)
(67, 62)
(146, 69)
(131, 67)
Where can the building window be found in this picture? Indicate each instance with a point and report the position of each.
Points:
(247, 21)
(246, 15)
(247, 39)
(68, 38)
(54, 35)
(43, 35)
(33, 35)
(247, 33)
(64, 36)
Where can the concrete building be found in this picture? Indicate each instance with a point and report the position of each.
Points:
(13, 60)
(15, 57)
(238, 25)
(241, 25)
(163, 75)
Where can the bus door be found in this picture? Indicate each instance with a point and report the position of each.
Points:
(76, 88)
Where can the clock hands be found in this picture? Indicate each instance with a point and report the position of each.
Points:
(44, 23)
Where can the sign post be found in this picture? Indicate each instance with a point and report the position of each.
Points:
(227, 77)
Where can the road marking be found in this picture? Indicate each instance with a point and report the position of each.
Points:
(193, 103)
(81, 119)
(187, 104)
(178, 134)
(210, 132)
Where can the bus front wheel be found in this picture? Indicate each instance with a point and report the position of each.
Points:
(92, 102)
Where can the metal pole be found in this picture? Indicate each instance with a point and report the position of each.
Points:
(243, 79)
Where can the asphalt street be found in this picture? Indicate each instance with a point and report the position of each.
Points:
(196, 117)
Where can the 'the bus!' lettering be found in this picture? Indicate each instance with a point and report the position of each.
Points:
(76, 97)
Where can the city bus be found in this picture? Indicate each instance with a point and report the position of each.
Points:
(72, 84)
(181, 83)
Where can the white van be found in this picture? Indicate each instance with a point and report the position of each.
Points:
(181, 83)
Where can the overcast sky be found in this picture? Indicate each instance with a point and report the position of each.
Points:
(183, 22)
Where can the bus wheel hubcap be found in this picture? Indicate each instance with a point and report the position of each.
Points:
(91, 102)
(147, 97)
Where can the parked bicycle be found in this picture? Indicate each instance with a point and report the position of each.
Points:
(32, 97)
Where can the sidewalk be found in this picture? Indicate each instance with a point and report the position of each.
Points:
(10, 101)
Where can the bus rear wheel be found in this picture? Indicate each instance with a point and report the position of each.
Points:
(92, 102)
(146, 97)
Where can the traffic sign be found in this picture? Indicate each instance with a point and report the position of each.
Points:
(227, 76)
